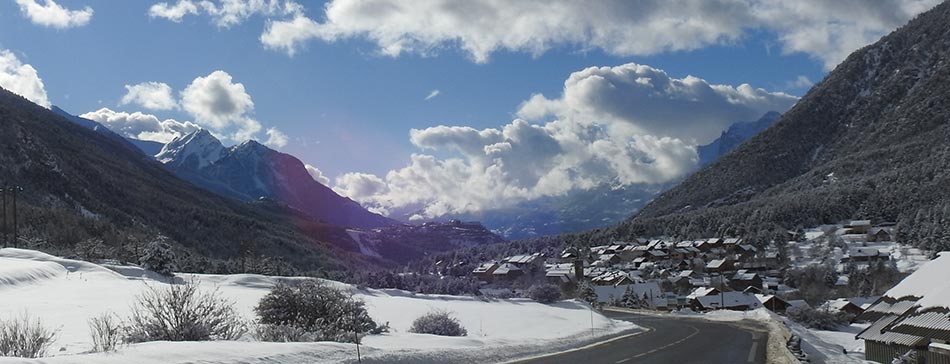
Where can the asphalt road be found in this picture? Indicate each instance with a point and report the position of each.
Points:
(670, 340)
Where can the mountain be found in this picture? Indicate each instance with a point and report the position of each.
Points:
(251, 170)
(87, 194)
(147, 146)
(604, 205)
(732, 137)
(95, 126)
(869, 141)
(405, 243)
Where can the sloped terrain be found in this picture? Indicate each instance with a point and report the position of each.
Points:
(869, 141)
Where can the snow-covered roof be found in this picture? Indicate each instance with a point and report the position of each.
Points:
(929, 283)
(729, 299)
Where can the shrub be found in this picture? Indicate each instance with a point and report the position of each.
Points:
(158, 257)
(106, 331)
(544, 293)
(818, 319)
(312, 307)
(183, 313)
(438, 323)
(25, 338)
(283, 333)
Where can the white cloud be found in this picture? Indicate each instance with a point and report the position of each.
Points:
(276, 138)
(317, 175)
(800, 82)
(630, 124)
(225, 13)
(827, 30)
(647, 100)
(150, 95)
(173, 12)
(21, 79)
(432, 95)
(51, 14)
(221, 105)
(141, 126)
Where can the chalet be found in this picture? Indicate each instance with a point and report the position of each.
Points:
(737, 301)
(613, 278)
(843, 305)
(719, 265)
(507, 271)
(560, 273)
(880, 234)
(857, 227)
(656, 255)
(744, 279)
(702, 291)
(610, 259)
(913, 316)
(865, 255)
(522, 261)
(483, 272)
(773, 303)
(731, 244)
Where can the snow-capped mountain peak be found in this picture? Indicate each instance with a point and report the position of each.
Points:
(196, 150)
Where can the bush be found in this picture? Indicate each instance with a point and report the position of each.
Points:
(818, 319)
(25, 338)
(322, 312)
(106, 331)
(438, 323)
(183, 313)
(158, 257)
(544, 293)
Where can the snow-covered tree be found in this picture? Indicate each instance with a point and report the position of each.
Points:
(158, 257)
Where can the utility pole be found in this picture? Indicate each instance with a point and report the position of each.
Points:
(3, 211)
(16, 243)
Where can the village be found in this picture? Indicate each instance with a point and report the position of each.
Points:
(732, 274)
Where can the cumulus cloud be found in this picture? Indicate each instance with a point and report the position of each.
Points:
(647, 100)
(276, 138)
(141, 126)
(224, 13)
(623, 125)
(800, 82)
(432, 95)
(222, 105)
(825, 30)
(51, 14)
(317, 175)
(173, 12)
(150, 95)
(21, 79)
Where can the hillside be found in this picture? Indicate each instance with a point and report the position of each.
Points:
(869, 141)
(90, 195)
(251, 170)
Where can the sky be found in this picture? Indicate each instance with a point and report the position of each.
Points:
(439, 106)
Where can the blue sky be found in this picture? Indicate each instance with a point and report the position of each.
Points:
(347, 107)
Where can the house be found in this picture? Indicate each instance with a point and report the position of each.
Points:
(507, 271)
(737, 301)
(719, 265)
(731, 244)
(880, 234)
(857, 227)
(610, 259)
(560, 273)
(912, 316)
(843, 305)
(865, 255)
(483, 272)
(773, 303)
(612, 278)
(744, 279)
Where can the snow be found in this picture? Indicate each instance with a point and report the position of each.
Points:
(928, 282)
(829, 346)
(200, 144)
(65, 293)
(365, 248)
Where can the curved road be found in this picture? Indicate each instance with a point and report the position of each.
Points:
(671, 340)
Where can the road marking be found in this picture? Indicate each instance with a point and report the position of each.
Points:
(589, 346)
(755, 345)
(664, 347)
(623, 361)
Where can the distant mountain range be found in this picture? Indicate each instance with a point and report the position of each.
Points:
(605, 205)
(250, 170)
(869, 141)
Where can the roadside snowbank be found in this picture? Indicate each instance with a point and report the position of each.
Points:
(66, 293)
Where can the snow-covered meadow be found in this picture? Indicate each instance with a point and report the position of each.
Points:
(65, 294)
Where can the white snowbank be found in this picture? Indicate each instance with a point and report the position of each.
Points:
(66, 293)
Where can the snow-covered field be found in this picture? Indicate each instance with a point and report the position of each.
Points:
(66, 293)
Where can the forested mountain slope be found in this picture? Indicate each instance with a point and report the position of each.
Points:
(869, 141)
